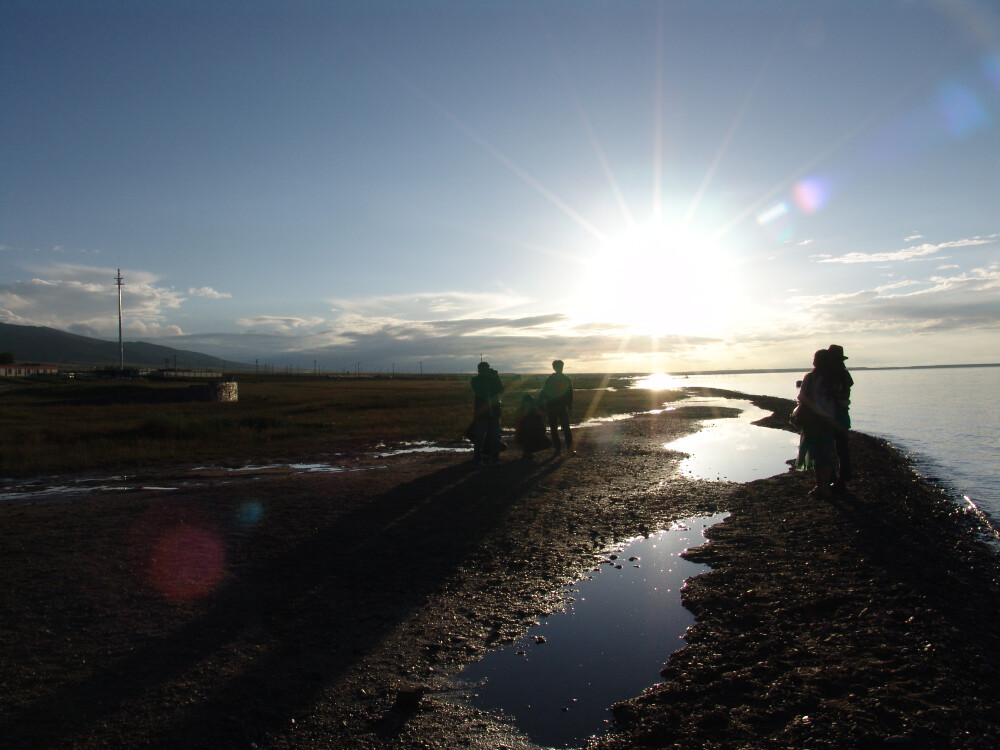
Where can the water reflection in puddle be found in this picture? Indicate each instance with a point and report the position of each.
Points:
(423, 446)
(45, 492)
(52, 491)
(734, 449)
(609, 644)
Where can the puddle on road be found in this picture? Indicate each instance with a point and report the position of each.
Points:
(46, 492)
(55, 489)
(423, 446)
(52, 490)
(557, 683)
(733, 449)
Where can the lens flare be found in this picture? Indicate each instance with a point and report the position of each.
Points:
(772, 214)
(811, 195)
(963, 113)
(991, 67)
(777, 222)
(249, 514)
(186, 563)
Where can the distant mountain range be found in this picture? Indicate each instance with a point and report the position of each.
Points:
(50, 346)
(39, 345)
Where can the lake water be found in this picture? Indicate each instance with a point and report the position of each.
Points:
(946, 419)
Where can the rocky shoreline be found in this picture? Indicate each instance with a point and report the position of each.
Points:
(334, 611)
(863, 621)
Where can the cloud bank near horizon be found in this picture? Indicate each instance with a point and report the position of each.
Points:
(449, 331)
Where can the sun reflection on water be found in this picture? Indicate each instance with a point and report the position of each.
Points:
(660, 381)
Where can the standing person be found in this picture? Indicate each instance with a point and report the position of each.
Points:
(818, 422)
(487, 388)
(842, 384)
(557, 399)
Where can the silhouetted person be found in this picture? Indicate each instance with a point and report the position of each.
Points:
(529, 432)
(487, 388)
(557, 400)
(843, 382)
(818, 421)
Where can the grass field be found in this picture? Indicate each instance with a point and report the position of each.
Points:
(57, 425)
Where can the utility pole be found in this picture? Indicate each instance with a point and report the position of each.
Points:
(121, 343)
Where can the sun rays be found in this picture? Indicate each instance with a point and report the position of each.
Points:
(666, 248)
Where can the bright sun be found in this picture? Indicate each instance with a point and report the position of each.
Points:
(659, 279)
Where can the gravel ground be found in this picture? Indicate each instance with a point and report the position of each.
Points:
(284, 610)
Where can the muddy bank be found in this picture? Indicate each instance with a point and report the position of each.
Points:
(311, 611)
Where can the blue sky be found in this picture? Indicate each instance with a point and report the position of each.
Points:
(643, 186)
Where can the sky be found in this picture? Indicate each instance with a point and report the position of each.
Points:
(415, 186)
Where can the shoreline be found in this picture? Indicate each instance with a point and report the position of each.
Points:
(348, 603)
(927, 468)
(891, 640)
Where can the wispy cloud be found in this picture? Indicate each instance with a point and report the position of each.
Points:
(209, 292)
(427, 305)
(916, 252)
(897, 285)
(280, 324)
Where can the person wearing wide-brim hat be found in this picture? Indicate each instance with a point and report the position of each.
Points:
(843, 382)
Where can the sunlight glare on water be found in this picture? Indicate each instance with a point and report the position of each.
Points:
(734, 450)
(661, 381)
